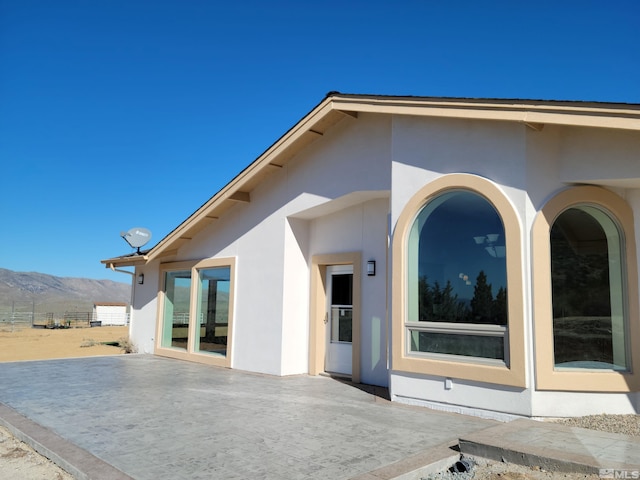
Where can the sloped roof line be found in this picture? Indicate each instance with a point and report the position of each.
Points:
(530, 112)
(237, 182)
(591, 114)
(499, 102)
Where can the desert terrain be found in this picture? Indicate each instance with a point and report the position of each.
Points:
(17, 460)
(44, 343)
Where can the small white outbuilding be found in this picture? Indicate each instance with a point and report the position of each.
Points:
(111, 313)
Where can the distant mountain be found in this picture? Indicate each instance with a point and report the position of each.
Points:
(22, 291)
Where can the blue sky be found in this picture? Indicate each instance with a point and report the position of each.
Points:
(116, 114)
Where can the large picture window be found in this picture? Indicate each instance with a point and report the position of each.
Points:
(197, 310)
(457, 278)
(588, 290)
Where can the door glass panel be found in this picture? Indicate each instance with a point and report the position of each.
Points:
(213, 311)
(341, 307)
(342, 289)
(341, 322)
(177, 292)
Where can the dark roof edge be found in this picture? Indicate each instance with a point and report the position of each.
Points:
(504, 100)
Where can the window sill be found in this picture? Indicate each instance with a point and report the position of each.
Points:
(498, 374)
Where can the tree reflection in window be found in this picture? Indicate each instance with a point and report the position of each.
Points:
(441, 304)
(588, 290)
(456, 238)
(457, 275)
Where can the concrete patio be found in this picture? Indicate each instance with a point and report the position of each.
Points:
(146, 417)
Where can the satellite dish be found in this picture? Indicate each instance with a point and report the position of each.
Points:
(136, 237)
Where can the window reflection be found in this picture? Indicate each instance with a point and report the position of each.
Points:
(587, 291)
(176, 309)
(213, 311)
(457, 274)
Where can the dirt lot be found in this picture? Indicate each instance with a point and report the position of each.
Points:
(17, 460)
(42, 344)
(20, 462)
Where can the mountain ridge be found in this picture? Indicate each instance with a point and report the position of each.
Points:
(26, 291)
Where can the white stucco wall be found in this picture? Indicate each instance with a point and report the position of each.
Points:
(529, 167)
(142, 329)
(424, 150)
(362, 228)
(344, 193)
(271, 238)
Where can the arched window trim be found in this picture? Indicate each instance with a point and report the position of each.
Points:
(512, 375)
(547, 377)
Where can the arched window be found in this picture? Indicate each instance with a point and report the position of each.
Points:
(457, 287)
(585, 293)
(588, 290)
(457, 278)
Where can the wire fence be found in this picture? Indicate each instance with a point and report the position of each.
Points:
(13, 321)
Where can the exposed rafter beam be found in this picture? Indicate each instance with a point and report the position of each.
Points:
(535, 126)
(169, 253)
(348, 113)
(240, 197)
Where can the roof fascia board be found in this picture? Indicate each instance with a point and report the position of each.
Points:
(125, 261)
(570, 115)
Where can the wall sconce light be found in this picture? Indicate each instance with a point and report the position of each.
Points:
(141, 279)
(371, 268)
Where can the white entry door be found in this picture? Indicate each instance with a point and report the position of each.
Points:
(339, 319)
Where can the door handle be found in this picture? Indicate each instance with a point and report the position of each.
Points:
(326, 317)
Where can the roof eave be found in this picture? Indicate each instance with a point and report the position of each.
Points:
(580, 114)
(125, 261)
(335, 106)
(310, 128)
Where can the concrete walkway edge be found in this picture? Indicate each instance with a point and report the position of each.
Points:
(415, 467)
(71, 458)
(553, 446)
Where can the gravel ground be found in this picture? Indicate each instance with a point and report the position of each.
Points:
(625, 424)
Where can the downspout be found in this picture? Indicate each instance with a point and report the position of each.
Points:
(133, 286)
